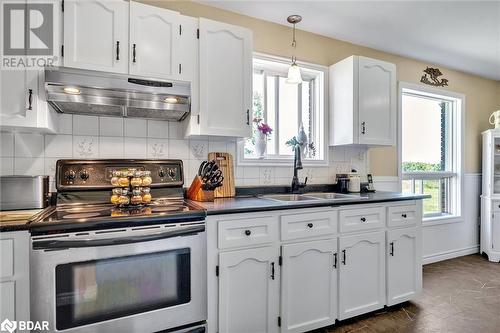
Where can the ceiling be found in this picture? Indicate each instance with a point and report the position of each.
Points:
(463, 35)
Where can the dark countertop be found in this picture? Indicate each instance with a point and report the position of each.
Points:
(15, 220)
(253, 203)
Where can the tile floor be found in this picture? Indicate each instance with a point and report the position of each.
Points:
(460, 295)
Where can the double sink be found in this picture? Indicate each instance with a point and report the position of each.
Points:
(330, 196)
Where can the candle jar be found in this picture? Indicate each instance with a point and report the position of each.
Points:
(136, 179)
(136, 198)
(146, 178)
(115, 178)
(146, 195)
(124, 199)
(115, 197)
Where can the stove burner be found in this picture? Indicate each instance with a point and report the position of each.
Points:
(81, 215)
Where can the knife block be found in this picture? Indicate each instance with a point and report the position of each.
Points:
(197, 193)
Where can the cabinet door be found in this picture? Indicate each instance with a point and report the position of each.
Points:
(376, 102)
(495, 231)
(309, 285)
(154, 41)
(404, 266)
(15, 91)
(248, 291)
(96, 35)
(225, 79)
(362, 274)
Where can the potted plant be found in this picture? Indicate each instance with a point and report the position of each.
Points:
(263, 132)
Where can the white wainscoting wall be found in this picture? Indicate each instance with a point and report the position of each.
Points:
(448, 240)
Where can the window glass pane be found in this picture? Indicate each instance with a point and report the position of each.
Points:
(306, 112)
(271, 113)
(258, 111)
(424, 131)
(288, 115)
(407, 187)
(438, 189)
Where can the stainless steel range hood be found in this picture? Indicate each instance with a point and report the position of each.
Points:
(78, 91)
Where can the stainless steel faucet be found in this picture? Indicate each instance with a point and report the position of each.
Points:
(297, 165)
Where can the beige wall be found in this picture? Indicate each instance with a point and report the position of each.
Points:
(482, 95)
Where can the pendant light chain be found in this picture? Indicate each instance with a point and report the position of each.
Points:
(294, 45)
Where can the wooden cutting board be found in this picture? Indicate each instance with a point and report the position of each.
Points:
(225, 163)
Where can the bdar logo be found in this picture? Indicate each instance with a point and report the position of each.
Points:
(8, 325)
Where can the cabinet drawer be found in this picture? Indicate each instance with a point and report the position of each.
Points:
(247, 232)
(309, 224)
(402, 216)
(362, 219)
(7, 262)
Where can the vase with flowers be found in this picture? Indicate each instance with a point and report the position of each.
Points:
(263, 133)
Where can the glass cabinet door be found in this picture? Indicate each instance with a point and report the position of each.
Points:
(496, 166)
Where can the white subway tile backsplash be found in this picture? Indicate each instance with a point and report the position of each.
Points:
(110, 147)
(178, 149)
(175, 130)
(50, 167)
(29, 166)
(6, 144)
(110, 126)
(157, 148)
(135, 148)
(28, 145)
(137, 128)
(65, 123)
(6, 166)
(85, 146)
(217, 146)
(251, 172)
(157, 129)
(58, 146)
(266, 176)
(85, 125)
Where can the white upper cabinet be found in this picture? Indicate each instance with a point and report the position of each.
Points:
(154, 41)
(96, 35)
(249, 290)
(225, 60)
(404, 268)
(22, 102)
(363, 102)
(362, 274)
(309, 285)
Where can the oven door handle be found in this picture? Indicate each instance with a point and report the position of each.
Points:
(64, 244)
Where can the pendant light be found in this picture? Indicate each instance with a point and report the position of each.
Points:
(294, 76)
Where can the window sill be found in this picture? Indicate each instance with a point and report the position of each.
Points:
(438, 220)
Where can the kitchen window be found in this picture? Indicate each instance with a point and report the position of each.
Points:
(431, 149)
(285, 108)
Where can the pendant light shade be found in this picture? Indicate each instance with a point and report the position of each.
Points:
(294, 76)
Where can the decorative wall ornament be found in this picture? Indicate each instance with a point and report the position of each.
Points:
(431, 77)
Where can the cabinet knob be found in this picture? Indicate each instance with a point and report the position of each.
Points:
(403, 215)
(310, 225)
(248, 232)
(363, 219)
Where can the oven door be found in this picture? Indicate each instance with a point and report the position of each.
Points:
(128, 280)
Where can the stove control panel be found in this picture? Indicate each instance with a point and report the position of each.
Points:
(74, 175)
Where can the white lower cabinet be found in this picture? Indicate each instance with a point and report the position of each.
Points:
(325, 270)
(309, 285)
(14, 276)
(362, 274)
(249, 290)
(404, 273)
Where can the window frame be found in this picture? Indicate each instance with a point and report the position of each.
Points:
(455, 156)
(310, 71)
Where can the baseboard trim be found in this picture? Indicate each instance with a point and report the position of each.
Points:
(450, 254)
